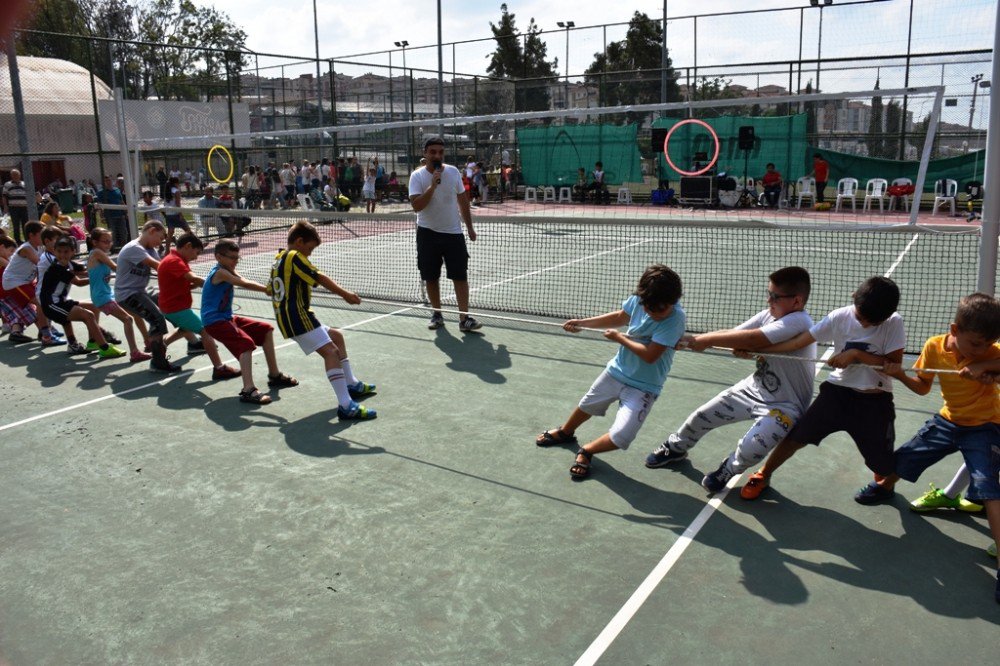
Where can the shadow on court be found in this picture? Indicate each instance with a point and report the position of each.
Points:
(316, 435)
(473, 353)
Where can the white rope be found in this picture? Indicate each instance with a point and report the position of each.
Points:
(801, 359)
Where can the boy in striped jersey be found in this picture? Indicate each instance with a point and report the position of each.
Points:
(292, 278)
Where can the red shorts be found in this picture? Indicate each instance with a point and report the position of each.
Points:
(240, 334)
(23, 295)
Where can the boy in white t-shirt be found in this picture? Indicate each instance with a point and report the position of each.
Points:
(855, 398)
(773, 397)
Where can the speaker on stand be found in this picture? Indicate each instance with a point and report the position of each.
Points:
(746, 142)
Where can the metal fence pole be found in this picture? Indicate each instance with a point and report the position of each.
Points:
(991, 202)
(27, 173)
(93, 98)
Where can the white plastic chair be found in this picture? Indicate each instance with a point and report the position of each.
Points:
(806, 188)
(305, 202)
(530, 194)
(904, 197)
(945, 192)
(565, 195)
(847, 188)
(548, 194)
(624, 195)
(875, 189)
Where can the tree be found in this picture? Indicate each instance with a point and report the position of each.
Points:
(521, 57)
(874, 140)
(893, 125)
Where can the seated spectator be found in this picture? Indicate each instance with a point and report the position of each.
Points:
(54, 217)
(772, 183)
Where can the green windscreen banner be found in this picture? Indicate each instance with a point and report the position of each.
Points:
(777, 139)
(551, 155)
(963, 168)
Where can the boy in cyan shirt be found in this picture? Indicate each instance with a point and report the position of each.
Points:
(635, 376)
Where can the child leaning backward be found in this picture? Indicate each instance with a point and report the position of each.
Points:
(99, 268)
(969, 421)
(240, 335)
(292, 278)
(635, 376)
(855, 398)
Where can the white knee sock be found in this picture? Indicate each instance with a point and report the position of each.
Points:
(339, 384)
(959, 483)
(348, 375)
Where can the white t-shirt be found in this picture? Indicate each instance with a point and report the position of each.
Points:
(470, 168)
(441, 214)
(20, 270)
(842, 328)
(778, 382)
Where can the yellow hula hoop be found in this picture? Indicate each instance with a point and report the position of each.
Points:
(229, 158)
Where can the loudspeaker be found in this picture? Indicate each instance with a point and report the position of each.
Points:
(697, 187)
(746, 139)
(659, 136)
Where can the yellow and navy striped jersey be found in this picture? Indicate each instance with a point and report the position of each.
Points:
(292, 279)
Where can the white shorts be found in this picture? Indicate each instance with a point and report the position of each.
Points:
(313, 340)
(634, 405)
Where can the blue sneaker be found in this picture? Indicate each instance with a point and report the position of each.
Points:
(361, 389)
(355, 412)
(663, 455)
(716, 481)
(873, 494)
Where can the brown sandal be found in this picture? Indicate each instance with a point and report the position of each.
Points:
(254, 397)
(555, 437)
(281, 380)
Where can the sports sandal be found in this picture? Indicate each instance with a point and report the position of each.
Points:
(555, 437)
(281, 380)
(254, 397)
(580, 470)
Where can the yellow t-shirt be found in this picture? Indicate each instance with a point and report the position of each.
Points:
(966, 401)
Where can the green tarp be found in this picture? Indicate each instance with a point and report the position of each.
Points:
(551, 155)
(779, 139)
(963, 168)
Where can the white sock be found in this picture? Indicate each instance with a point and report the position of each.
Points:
(339, 384)
(348, 375)
(959, 483)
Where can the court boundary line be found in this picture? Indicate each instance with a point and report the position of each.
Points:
(170, 378)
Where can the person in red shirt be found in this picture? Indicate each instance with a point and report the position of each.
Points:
(821, 172)
(771, 180)
(176, 281)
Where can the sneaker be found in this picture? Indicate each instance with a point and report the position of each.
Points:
(195, 348)
(873, 494)
(936, 499)
(93, 346)
(76, 349)
(19, 338)
(716, 481)
(754, 486)
(360, 390)
(437, 321)
(225, 372)
(53, 342)
(663, 455)
(355, 412)
(111, 338)
(469, 324)
(111, 352)
(163, 365)
(137, 356)
(991, 550)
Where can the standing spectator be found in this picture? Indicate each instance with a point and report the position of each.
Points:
(342, 176)
(116, 220)
(483, 183)
(379, 179)
(288, 183)
(821, 172)
(209, 201)
(15, 203)
(251, 188)
(470, 167)
(441, 204)
(368, 192)
(162, 179)
(188, 180)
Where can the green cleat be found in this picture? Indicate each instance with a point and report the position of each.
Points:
(936, 499)
(110, 352)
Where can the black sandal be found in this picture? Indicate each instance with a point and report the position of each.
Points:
(281, 380)
(555, 437)
(254, 397)
(580, 470)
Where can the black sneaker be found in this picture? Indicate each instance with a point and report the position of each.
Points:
(437, 321)
(19, 338)
(997, 591)
(469, 324)
(716, 481)
(110, 337)
(195, 348)
(663, 455)
(74, 348)
(873, 494)
(163, 365)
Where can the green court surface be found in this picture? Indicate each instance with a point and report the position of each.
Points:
(149, 520)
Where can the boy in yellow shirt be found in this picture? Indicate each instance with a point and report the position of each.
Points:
(969, 421)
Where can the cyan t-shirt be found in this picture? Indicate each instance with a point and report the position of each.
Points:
(628, 368)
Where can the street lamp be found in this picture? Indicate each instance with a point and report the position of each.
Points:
(975, 87)
(568, 25)
(403, 44)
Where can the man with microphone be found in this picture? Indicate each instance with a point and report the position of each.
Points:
(438, 197)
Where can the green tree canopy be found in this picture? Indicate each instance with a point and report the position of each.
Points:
(521, 57)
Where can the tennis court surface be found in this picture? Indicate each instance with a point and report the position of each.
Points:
(151, 520)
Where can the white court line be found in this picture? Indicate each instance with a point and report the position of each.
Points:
(902, 255)
(166, 380)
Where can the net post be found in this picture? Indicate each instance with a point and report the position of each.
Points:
(925, 156)
(991, 178)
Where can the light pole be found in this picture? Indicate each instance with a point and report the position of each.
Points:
(975, 87)
(819, 44)
(319, 79)
(403, 44)
(568, 25)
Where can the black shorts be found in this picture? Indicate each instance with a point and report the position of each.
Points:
(143, 306)
(177, 221)
(434, 247)
(868, 418)
(59, 312)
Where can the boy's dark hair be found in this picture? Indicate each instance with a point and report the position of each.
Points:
(769, 164)
(190, 239)
(599, 165)
(303, 230)
(433, 141)
(52, 233)
(979, 313)
(792, 279)
(227, 246)
(876, 299)
(817, 156)
(66, 241)
(32, 228)
(7, 241)
(658, 287)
